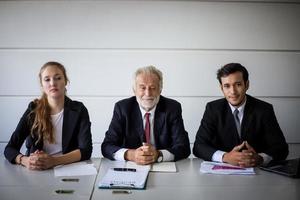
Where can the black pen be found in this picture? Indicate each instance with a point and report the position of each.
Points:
(64, 191)
(70, 179)
(124, 169)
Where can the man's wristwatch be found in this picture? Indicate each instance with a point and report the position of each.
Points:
(160, 157)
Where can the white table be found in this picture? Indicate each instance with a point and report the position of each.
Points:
(189, 183)
(17, 182)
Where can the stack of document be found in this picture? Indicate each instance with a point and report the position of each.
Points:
(223, 168)
(75, 169)
(155, 167)
(130, 178)
(163, 167)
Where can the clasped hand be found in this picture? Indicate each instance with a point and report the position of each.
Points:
(39, 160)
(143, 155)
(243, 155)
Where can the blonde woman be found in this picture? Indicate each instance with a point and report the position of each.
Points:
(57, 130)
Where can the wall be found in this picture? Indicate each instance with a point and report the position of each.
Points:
(101, 43)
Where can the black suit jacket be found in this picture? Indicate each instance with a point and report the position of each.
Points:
(76, 133)
(126, 128)
(259, 127)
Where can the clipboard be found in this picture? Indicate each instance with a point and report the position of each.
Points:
(124, 179)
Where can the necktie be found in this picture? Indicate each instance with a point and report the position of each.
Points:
(237, 121)
(147, 127)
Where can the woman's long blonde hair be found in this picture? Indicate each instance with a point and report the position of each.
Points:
(42, 125)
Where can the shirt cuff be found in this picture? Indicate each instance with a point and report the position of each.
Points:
(266, 158)
(167, 156)
(119, 155)
(218, 156)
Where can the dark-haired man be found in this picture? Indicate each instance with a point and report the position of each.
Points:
(239, 129)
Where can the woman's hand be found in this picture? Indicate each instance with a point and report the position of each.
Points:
(38, 160)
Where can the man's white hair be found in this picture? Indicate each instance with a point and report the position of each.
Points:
(149, 70)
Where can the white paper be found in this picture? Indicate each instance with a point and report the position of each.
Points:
(207, 168)
(124, 179)
(75, 169)
(130, 164)
(164, 167)
(155, 167)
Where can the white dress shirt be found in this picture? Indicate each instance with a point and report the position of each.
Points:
(167, 156)
(218, 155)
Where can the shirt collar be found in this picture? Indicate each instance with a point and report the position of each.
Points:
(152, 111)
(240, 108)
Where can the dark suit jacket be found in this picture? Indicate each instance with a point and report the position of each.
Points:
(76, 132)
(259, 127)
(126, 128)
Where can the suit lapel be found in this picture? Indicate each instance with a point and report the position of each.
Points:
(159, 120)
(69, 123)
(137, 119)
(247, 118)
(233, 136)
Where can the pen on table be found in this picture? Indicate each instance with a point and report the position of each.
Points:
(70, 179)
(121, 192)
(64, 191)
(124, 169)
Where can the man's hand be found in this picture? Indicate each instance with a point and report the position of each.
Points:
(254, 160)
(143, 155)
(243, 155)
